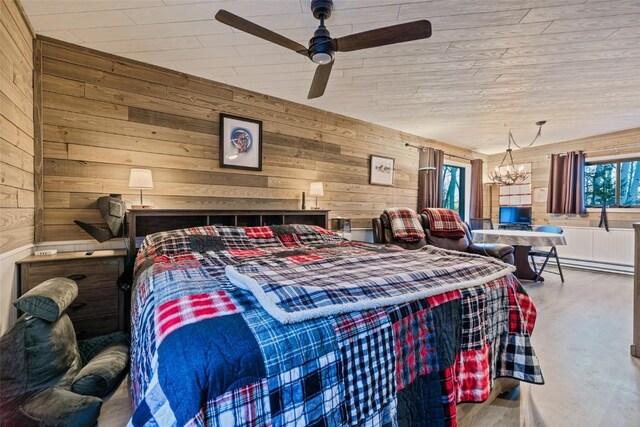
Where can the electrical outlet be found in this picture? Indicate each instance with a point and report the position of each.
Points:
(46, 252)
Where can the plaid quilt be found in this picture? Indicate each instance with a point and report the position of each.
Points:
(444, 223)
(205, 352)
(405, 224)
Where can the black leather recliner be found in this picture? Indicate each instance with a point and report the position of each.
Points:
(382, 234)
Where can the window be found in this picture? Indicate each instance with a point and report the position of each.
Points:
(613, 183)
(453, 189)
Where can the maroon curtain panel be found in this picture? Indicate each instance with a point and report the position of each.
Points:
(476, 208)
(566, 184)
(430, 182)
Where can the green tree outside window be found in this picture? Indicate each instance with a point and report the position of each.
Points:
(615, 183)
(453, 189)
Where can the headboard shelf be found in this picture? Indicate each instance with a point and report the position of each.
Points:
(141, 222)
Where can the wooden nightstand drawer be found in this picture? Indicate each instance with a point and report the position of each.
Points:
(87, 274)
(94, 302)
(99, 307)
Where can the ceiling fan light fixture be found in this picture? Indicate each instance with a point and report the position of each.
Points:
(320, 48)
(321, 58)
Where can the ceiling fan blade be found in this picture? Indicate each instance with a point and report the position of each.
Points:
(256, 30)
(383, 36)
(320, 79)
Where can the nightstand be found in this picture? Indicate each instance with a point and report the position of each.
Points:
(99, 307)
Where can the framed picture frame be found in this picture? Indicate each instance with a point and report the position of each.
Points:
(240, 143)
(381, 170)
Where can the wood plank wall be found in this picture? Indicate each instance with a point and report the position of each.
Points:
(104, 115)
(16, 129)
(617, 143)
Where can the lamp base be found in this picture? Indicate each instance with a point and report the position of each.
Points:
(315, 208)
(141, 207)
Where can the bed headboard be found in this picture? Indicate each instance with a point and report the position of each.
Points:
(141, 222)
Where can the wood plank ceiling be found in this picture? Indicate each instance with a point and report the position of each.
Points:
(489, 65)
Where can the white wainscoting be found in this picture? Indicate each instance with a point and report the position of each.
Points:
(362, 234)
(9, 282)
(587, 247)
(598, 249)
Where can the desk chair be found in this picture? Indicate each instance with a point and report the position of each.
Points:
(551, 253)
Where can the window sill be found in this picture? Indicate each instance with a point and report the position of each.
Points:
(613, 210)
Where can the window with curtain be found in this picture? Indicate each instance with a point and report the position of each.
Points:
(614, 183)
(453, 189)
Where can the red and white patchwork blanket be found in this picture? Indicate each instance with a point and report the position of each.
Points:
(405, 224)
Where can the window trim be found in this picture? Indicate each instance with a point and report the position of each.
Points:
(616, 161)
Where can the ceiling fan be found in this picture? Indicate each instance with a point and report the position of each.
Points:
(322, 47)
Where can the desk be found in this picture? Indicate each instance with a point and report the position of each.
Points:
(521, 241)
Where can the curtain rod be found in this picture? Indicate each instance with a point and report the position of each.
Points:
(406, 144)
(599, 150)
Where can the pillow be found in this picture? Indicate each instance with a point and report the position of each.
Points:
(235, 238)
(263, 237)
(49, 299)
(287, 235)
(201, 243)
(307, 234)
(311, 234)
(103, 373)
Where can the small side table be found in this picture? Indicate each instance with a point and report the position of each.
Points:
(99, 307)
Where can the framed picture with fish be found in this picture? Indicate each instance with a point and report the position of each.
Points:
(240, 143)
(381, 172)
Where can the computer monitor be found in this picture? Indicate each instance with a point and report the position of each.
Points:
(515, 215)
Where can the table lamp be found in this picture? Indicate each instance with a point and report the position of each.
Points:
(140, 179)
(316, 189)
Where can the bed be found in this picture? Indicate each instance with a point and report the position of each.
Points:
(293, 325)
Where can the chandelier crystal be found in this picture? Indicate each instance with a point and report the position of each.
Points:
(506, 173)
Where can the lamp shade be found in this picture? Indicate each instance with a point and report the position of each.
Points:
(140, 178)
(316, 189)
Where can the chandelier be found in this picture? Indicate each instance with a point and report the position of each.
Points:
(506, 173)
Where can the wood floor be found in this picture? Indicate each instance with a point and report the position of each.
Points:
(582, 338)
